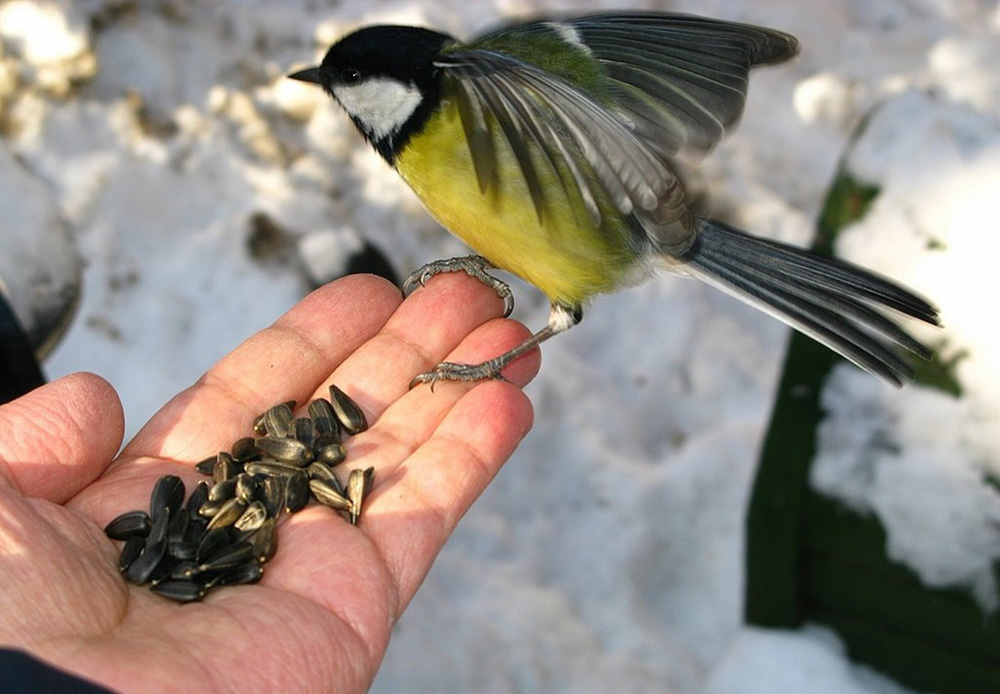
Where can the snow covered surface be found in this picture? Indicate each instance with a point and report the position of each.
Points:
(608, 555)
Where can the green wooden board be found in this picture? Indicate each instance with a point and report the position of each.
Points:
(810, 559)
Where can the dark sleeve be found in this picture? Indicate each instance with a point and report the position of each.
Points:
(22, 673)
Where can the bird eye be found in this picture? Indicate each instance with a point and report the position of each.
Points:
(350, 76)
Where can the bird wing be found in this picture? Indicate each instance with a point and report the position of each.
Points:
(547, 121)
(679, 80)
(660, 84)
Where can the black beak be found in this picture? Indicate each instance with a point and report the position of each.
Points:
(310, 74)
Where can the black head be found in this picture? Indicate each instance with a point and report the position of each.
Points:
(384, 78)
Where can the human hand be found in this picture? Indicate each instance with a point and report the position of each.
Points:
(321, 617)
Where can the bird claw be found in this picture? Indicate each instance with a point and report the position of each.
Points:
(451, 371)
(473, 265)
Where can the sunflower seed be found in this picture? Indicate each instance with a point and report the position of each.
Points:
(297, 492)
(183, 570)
(223, 491)
(225, 468)
(234, 555)
(196, 528)
(265, 540)
(259, 425)
(243, 450)
(349, 415)
(177, 529)
(180, 591)
(213, 541)
(168, 494)
(324, 418)
(253, 517)
(359, 483)
(304, 431)
(129, 524)
(162, 571)
(206, 466)
(331, 454)
(250, 572)
(285, 450)
(247, 488)
(197, 498)
(273, 494)
(130, 552)
(210, 509)
(278, 420)
(228, 514)
(183, 550)
(142, 568)
(271, 468)
(325, 494)
(322, 471)
(158, 531)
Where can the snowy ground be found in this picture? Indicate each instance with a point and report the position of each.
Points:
(608, 555)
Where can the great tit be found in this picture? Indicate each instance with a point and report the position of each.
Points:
(549, 147)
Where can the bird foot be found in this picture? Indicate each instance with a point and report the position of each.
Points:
(472, 265)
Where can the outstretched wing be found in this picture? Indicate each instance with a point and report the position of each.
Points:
(680, 80)
(547, 121)
(606, 129)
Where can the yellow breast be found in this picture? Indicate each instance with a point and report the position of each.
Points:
(563, 253)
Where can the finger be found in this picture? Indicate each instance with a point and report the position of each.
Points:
(332, 564)
(435, 452)
(280, 363)
(413, 513)
(422, 333)
(413, 418)
(283, 362)
(59, 438)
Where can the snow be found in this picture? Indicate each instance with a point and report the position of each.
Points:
(608, 554)
(919, 459)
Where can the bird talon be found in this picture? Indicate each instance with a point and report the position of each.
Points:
(452, 371)
(473, 265)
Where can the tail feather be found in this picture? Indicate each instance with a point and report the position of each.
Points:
(831, 300)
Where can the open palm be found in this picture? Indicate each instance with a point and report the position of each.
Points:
(320, 619)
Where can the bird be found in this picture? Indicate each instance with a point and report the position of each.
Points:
(551, 147)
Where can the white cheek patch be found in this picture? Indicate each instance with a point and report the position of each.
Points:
(381, 104)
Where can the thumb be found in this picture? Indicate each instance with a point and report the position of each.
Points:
(59, 438)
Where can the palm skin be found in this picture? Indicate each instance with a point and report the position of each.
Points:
(320, 619)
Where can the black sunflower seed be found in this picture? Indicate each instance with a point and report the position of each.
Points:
(296, 492)
(243, 450)
(129, 524)
(197, 498)
(265, 540)
(168, 494)
(180, 590)
(236, 554)
(141, 570)
(130, 552)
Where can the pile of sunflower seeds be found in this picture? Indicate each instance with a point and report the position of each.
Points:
(227, 530)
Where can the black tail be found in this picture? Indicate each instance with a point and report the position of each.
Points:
(828, 299)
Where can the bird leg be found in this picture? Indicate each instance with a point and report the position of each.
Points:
(561, 318)
(472, 265)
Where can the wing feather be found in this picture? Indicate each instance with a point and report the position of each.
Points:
(682, 78)
(535, 111)
(667, 84)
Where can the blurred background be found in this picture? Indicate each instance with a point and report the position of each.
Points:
(165, 192)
